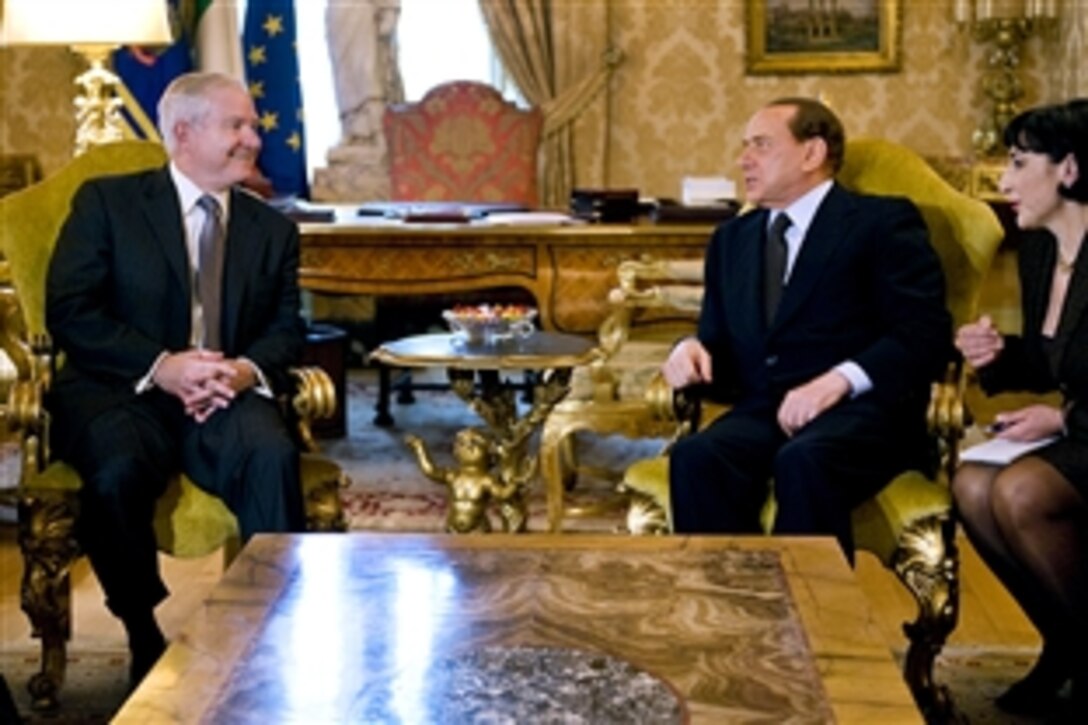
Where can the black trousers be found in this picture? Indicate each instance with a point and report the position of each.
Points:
(243, 454)
(720, 478)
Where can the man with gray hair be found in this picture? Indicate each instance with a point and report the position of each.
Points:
(174, 297)
(823, 322)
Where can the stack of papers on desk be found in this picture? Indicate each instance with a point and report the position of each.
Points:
(999, 451)
(527, 218)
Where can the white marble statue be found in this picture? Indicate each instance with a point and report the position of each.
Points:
(363, 51)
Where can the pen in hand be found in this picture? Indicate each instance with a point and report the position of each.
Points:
(996, 427)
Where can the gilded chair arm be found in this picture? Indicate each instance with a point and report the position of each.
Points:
(23, 411)
(314, 399)
(661, 400)
(947, 415)
(666, 405)
(679, 270)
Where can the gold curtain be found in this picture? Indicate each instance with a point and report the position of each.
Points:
(558, 53)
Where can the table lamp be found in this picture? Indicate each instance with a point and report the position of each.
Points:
(92, 28)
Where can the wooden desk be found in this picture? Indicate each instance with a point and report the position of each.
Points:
(372, 627)
(568, 269)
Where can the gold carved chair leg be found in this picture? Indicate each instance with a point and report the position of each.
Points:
(48, 543)
(559, 464)
(927, 562)
(322, 482)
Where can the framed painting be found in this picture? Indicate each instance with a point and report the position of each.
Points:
(823, 36)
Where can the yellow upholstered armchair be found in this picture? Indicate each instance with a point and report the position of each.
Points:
(908, 525)
(188, 521)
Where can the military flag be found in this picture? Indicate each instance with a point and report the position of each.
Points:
(206, 37)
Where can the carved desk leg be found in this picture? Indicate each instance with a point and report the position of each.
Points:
(48, 544)
(928, 564)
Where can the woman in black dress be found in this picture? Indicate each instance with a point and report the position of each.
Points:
(1029, 519)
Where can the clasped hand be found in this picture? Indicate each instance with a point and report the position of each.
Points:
(203, 380)
(980, 342)
(690, 363)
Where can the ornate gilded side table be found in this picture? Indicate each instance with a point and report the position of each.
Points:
(493, 463)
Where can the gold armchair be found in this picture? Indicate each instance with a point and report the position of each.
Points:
(188, 521)
(908, 525)
(655, 303)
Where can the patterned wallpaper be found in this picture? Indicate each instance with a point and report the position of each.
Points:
(37, 86)
(678, 104)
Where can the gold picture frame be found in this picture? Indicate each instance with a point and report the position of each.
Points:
(802, 36)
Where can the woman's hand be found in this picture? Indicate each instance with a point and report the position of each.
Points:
(980, 342)
(1030, 423)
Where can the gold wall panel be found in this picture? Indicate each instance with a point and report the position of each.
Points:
(1069, 77)
(37, 115)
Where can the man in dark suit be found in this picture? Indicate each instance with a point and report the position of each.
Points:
(823, 322)
(174, 298)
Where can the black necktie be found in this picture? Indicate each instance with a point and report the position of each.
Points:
(210, 273)
(775, 254)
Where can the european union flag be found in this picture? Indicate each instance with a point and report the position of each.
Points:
(272, 71)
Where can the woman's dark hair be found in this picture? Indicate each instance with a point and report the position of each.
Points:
(815, 120)
(1057, 131)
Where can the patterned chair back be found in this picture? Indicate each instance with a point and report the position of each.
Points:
(463, 142)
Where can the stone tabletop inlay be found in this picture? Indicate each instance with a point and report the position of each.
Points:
(545, 684)
(408, 628)
(396, 617)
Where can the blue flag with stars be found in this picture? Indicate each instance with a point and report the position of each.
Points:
(272, 72)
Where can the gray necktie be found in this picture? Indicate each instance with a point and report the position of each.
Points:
(210, 273)
(775, 253)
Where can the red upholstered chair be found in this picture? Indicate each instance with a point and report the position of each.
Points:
(463, 142)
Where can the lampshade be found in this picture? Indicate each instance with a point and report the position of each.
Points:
(85, 22)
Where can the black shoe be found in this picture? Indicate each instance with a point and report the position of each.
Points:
(145, 643)
(1037, 692)
(143, 659)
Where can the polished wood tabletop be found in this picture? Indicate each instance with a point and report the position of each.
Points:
(423, 628)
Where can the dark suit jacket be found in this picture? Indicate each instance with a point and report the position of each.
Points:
(866, 286)
(119, 287)
(1024, 364)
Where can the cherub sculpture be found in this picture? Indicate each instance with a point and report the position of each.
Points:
(473, 486)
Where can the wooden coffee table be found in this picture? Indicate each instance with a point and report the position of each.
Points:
(423, 628)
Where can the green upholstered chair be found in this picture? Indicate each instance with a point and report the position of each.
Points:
(188, 521)
(908, 525)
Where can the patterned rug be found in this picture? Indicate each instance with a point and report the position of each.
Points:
(389, 492)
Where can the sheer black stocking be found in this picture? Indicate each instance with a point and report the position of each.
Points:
(1027, 523)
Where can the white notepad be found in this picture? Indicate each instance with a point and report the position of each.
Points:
(1000, 451)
